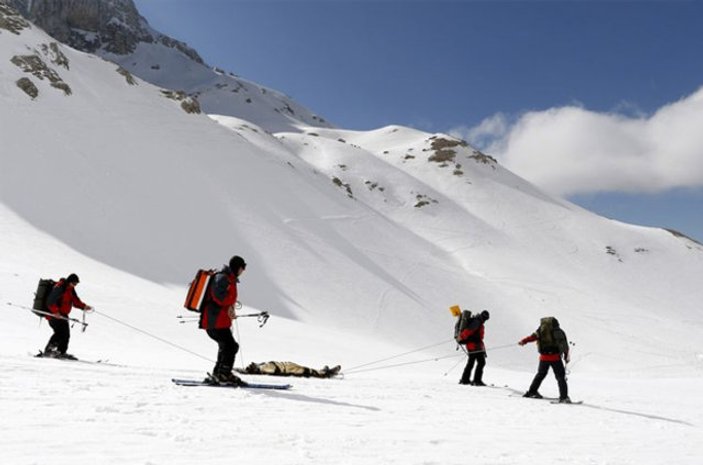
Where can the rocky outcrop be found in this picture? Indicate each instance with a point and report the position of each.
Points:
(10, 20)
(189, 103)
(34, 65)
(113, 26)
(28, 87)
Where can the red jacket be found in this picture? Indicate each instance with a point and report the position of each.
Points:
(543, 357)
(62, 299)
(474, 338)
(221, 295)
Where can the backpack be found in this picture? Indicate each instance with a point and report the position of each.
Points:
(461, 324)
(551, 338)
(198, 290)
(41, 296)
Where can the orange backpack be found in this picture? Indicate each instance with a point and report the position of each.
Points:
(198, 290)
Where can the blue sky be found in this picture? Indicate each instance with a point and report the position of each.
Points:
(608, 87)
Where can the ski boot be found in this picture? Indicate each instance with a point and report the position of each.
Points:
(532, 395)
(564, 400)
(51, 351)
(228, 378)
(331, 372)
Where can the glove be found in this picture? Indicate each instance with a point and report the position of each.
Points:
(521, 343)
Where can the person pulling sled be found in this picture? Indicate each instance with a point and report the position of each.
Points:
(472, 336)
(552, 346)
(61, 300)
(470, 331)
(216, 318)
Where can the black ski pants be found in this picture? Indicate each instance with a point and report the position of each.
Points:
(62, 333)
(227, 349)
(478, 358)
(559, 373)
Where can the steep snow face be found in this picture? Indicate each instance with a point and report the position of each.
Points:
(545, 255)
(218, 91)
(117, 32)
(121, 173)
(374, 232)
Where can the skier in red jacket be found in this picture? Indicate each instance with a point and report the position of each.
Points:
(61, 300)
(216, 318)
(552, 344)
(473, 335)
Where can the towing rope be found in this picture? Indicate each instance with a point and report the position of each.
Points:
(356, 369)
(153, 336)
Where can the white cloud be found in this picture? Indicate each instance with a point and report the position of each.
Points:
(571, 150)
(489, 130)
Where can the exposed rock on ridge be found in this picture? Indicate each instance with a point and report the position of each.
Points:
(114, 26)
(10, 20)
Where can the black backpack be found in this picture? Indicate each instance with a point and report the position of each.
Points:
(462, 323)
(551, 338)
(41, 296)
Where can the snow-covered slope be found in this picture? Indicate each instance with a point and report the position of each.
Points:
(372, 232)
(357, 242)
(393, 411)
(114, 30)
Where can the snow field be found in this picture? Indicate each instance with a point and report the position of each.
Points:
(126, 414)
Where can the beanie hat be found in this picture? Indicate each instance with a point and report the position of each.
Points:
(485, 315)
(237, 262)
(73, 278)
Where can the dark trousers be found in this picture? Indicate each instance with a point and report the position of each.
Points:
(59, 340)
(559, 373)
(479, 358)
(227, 349)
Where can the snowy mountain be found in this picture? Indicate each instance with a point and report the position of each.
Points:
(357, 243)
(115, 30)
(354, 229)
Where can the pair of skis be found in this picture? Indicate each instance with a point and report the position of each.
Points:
(243, 385)
(555, 400)
(69, 358)
(178, 381)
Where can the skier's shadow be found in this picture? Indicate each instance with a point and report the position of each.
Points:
(314, 400)
(615, 410)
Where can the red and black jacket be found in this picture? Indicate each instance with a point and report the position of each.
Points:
(62, 299)
(543, 356)
(221, 295)
(473, 335)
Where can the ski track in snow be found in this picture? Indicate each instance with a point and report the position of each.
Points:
(123, 414)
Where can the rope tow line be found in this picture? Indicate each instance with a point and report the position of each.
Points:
(356, 369)
(433, 359)
(397, 356)
(160, 339)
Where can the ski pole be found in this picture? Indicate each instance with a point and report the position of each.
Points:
(187, 318)
(453, 367)
(262, 317)
(58, 317)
